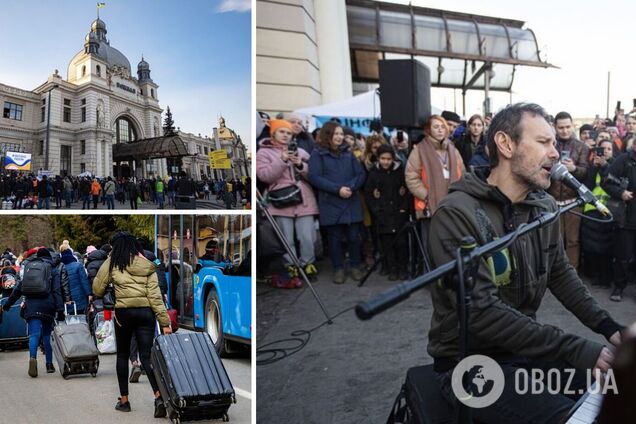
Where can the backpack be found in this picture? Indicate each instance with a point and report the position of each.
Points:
(36, 280)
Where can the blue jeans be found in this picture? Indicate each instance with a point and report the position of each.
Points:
(352, 233)
(44, 200)
(110, 201)
(40, 328)
(160, 199)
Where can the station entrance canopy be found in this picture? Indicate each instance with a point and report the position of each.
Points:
(150, 148)
(462, 51)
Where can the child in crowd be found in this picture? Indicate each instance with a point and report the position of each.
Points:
(388, 201)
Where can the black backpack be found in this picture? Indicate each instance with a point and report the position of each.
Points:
(36, 280)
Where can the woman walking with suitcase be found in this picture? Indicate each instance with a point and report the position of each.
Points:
(138, 306)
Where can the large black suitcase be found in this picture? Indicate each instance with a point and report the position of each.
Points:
(191, 377)
(74, 347)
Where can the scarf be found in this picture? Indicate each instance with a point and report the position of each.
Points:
(437, 185)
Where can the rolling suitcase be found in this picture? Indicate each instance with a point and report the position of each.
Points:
(191, 377)
(74, 347)
(13, 329)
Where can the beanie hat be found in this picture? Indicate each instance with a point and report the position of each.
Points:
(276, 124)
(348, 131)
(451, 116)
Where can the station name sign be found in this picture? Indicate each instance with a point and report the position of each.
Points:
(126, 88)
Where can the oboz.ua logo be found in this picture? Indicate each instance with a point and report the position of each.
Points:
(478, 381)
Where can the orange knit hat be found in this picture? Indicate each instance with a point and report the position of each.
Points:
(276, 124)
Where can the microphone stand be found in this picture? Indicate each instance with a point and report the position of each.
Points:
(261, 203)
(465, 266)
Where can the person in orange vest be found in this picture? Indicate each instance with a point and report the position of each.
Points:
(96, 189)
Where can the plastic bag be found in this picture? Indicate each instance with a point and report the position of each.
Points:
(105, 337)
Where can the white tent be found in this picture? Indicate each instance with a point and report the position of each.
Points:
(365, 105)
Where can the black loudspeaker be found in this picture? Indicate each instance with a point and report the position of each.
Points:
(405, 93)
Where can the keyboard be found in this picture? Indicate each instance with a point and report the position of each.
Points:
(587, 409)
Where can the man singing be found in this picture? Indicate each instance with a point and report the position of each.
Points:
(510, 284)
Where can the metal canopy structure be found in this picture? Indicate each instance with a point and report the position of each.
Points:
(462, 51)
(150, 148)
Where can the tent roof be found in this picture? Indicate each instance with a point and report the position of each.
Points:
(150, 148)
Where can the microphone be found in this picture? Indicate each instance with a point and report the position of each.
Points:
(560, 173)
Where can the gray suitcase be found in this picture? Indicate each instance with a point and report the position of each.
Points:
(74, 347)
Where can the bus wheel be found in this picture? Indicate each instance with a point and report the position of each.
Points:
(214, 323)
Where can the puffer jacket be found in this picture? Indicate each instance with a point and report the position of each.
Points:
(511, 283)
(95, 259)
(44, 307)
(271, 169)
(74, 272)
(135, 287)
(328, 172)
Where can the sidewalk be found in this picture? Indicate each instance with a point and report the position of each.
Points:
(351, 371)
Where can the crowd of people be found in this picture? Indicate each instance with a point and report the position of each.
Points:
(362, 190)
(139, 281)
(28, 191)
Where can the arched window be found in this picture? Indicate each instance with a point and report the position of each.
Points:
(99, 71)
(84, 70)
(125, 130)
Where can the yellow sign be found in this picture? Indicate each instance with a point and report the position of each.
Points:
(217, 154)
(221, 164)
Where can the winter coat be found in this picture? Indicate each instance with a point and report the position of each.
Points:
(466, 147)
(510, 283)
(95, 259)
(624, 166)
(391, 211)
(271, 169)
(328, 172)
(596, 237)
(78, 284)
(44, 307)
(135, 287)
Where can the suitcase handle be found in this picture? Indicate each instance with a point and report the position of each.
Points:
(74, 308)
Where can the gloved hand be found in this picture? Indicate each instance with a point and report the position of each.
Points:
(59, 316)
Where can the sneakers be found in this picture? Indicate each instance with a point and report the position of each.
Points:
(357, 274)
(617, 295)
(160, 408)
(123, 407)
(292, 271)
(281, 281)
(33, 367)
(311, 272)
(135, 373)
(50, 368)
(339, 277)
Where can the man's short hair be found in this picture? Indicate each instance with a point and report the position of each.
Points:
(562, 115)
(508, 121)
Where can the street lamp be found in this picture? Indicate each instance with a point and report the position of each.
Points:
(48, 127)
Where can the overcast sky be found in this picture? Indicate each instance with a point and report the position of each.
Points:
(199, 51)
(584, 39)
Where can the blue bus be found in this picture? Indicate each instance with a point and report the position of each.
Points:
(208, 268)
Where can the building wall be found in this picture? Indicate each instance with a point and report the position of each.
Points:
(302, 54)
